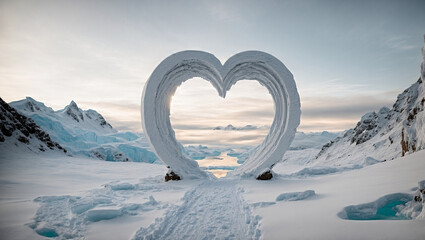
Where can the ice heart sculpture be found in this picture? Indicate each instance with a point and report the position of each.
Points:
(250, 65)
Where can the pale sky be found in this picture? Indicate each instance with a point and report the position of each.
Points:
(347, 57)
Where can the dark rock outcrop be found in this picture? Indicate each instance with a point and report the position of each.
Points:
(265, 176)
(74, 112)
(18, 127)
(172, 176)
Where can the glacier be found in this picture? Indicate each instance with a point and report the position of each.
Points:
(86, 132)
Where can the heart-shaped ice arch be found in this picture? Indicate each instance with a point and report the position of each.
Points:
(250, 65)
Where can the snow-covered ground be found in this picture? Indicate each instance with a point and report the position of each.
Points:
(56, 195)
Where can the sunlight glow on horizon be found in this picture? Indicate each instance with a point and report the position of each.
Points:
(196, 109)
(347, 57)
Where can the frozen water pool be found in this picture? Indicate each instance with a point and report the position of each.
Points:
(385, 208)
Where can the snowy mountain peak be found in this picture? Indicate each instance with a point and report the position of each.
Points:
(73, 118)
(74, 112)
(30, 105)
(22, 132)
(92, 114)
(230, 127)
(85, 119)
(73, 105)
(370, 124)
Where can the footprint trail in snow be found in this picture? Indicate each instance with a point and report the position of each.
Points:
(212, 210)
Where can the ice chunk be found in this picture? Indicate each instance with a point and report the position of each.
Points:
(80, 208)
(262, 204)
(121, 186)
(295, 196)
(100, 214)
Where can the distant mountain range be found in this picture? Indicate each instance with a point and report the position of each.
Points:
(230, 127)
(378, 136)
(86, 132)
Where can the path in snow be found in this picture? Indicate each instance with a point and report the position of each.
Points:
(212, 210)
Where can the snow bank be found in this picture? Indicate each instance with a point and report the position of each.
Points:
(250, 65)
(415, 209)
(295, 196)
(315, 171)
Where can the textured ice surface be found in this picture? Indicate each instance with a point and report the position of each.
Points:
(250, 65)
(70, 216)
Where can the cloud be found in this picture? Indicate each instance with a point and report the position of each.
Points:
(116, 106)
(132, 126)
(228, 138)
(350, 106)
(191, 127)
(328, 124)
(400, 43)
(318, 114)
(122, 115)
(340, 113)
(60, 51)
(331, 87)
(223, 10)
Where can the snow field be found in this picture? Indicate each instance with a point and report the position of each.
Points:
(317, 217)
(212, 210)
(92, 199)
